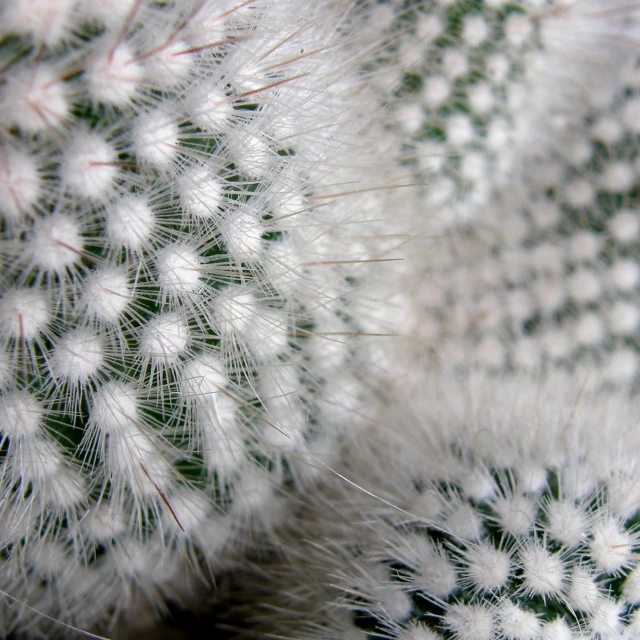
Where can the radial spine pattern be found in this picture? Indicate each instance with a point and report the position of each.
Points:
(176, 260)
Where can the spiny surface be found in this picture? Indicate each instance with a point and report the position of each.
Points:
(491, 511)
(177, 255)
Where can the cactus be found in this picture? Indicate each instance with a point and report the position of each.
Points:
(521, 121)
(487, 85)
(198, 241)
(179, 255)
(552, 280)
(490, 509)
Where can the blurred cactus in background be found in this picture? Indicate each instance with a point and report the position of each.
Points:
(522, 120)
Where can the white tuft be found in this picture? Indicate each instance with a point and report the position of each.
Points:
(605, 620)
(223, 441)
(464, 521)
(515, 515)
(584, 285)
(203, 377)
(21, 415)
(114, 408)
(585, 245)
(436, 90)
(625, 225)
(165, 338)
(234, 310)
(474, 30)
(130, 222)
(429, 27)
(114, 75)
(516, 623)
(608, 130)
(111, 13)
(24, 313)
(35, 100)
(171, 65)
(189, 512)
(455, 63)
(631, 587)
(104, 522)
(557, 629)
(394, 602)
(478, 484)
(543, 571)
(242, 233)
(470, 622)
(46, 21)
(612, 548)
(618, 177)
(415, 631)
(57, 243)
(156, 139)
(459, 130)
(583, 593)
(437, 576)
(590, 330)
(567, 523)
(211, 109)
(497, 66)
(20, 184)
(488, 568)
(625, 275)
(179, 269)
(77, 356)
(518, 29)
(580, 193)
(132, 457)
(201, 194)
(531, 478)
(254, 156)
(90, 166)
(481, 98)
(107, 294)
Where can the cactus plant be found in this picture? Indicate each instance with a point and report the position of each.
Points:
(193, 213)
(521, 120)
(552, 280)
(484, 509)
(179, 251)
(502, 506)
(489, 84)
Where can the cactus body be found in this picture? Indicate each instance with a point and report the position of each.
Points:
(495, 510)
(177, 262)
